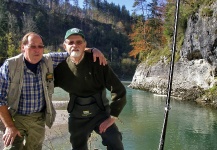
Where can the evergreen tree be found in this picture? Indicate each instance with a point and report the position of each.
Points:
(3, 29)
(86, 8)
(76, 6)
(12, 50)
(28, 23)
(140, 5)
(153, 9)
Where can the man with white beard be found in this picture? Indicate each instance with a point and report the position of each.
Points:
(86, 82)
(26, 88)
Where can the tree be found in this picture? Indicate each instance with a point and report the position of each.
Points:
(3, 17)
(137, 38)
(86, 8)
(140, 5)
(28, 23)
(148, 34)
(154, 25)
(76, 5)
(3, 28)
(12, 50)
(12, 35)
(153, 9)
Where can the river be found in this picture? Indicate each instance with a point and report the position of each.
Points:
(190, 126)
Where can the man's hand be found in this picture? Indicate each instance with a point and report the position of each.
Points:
(9, 136)
(107, 123)
(99, 54)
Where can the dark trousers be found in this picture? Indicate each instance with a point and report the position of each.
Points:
(81, 129)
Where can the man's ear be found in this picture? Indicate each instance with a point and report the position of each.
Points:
(64, 46)
(22, 48)
(85, 43)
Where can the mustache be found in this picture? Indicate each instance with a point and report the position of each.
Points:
(72, 49)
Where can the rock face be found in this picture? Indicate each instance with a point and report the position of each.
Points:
(187, 75)
(201, 36)
(196, 70)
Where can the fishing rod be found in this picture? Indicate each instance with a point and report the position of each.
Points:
(167, 107)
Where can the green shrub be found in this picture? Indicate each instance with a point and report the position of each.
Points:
(207, 12)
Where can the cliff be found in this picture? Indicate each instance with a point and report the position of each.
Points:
(195, 72)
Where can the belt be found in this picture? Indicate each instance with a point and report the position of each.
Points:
(85, 100)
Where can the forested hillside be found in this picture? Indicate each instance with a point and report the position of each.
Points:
(106, 30)
(125, 39)
(52, 23)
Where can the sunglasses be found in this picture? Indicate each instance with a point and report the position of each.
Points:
(35, 47)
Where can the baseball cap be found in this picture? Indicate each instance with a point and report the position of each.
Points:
(74, 31)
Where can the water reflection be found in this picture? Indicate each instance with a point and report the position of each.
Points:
(190, 127)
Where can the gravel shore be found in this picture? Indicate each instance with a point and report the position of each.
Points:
(58, 130)
(57, 137)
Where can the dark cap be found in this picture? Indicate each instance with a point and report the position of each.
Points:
(74, 31)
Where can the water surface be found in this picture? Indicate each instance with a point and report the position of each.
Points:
(190, 127)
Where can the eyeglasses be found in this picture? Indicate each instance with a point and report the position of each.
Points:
(34, 46)
(79, 42)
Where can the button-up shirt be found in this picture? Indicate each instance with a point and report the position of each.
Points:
(32, 94)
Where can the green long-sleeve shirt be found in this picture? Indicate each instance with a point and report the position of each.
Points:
(88, 78)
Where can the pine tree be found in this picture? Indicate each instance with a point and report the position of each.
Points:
(3, 28)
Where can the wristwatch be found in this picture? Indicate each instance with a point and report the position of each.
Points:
(91, 50)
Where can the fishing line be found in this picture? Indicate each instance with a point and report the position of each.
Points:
(167, 107)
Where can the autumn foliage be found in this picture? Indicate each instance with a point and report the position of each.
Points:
(138, 41)
(148, 34)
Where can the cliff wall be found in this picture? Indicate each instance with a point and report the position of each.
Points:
(195, 72)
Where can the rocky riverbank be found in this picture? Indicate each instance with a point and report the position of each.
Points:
(191, 80)
(57, 137)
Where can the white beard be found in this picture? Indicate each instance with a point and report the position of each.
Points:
(75, 53)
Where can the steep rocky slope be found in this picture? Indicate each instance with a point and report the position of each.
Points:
(195, 72)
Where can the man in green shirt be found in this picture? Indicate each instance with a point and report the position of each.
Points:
(86, 82)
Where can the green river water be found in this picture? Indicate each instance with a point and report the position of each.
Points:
(190, 127)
